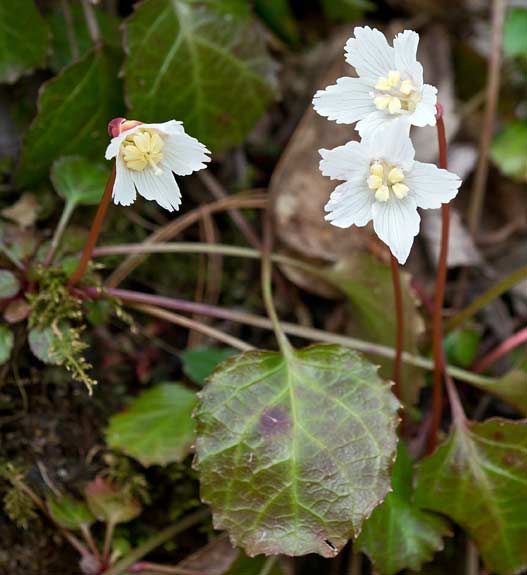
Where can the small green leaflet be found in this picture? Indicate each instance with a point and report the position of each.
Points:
(399, 535)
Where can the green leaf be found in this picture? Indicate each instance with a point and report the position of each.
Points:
(199, 63)
(24, 39)
(199, 362)
(515, 32)
(61, 50)
(9, 285)
(413, 535)
(6, 343)
(478, 478)
(461, 347)
(41, 343)
(157, 427)
(73, 113)
(294, 451)
(110, 503)
(508, 150)
(78, 180)
(70, 513)
(368, 284)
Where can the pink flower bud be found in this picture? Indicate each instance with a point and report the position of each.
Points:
(119, 125)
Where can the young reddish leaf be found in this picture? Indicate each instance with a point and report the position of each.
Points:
(109, 503)
(399, 535)
(478, 478)
(157, 428)
(294, 452)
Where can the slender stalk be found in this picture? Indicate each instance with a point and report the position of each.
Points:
(157, 568)
(267, 290)
(88, 537)
(492, 94)
(437, 318)
(270, 562)
(309, 333)
(399, 314)
(65, 217)
(95, 230)
(505, 347)
(156, 540)
(108, 536)
(195, 325)
(480, 302)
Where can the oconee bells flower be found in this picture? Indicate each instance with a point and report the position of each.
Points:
(383, 183)
(147, 156)
(389, 87)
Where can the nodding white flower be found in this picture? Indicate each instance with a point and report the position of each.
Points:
(383, 183)
(389, 87)
(147, 157)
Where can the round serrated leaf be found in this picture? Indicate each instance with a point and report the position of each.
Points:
(209, 57)
(199, 362)
(9, 285)
(6, 343)
(70, 513)
(294, 451)
(109, 503)
(78, 180)
(157, 427)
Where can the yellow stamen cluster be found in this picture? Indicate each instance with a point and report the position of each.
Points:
(384, 179)
(143, 148)
(397, 95)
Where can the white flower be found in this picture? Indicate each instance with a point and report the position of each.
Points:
(389, 87)
(383, 183)
(146, 155)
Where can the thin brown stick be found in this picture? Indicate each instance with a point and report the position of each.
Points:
(399, 314)
(91, 22)
(95, 230)
(504, 348)
(70, 29)
(437, 318)
(196, 325)
(216, 189)
(172, 229)
(493, 88)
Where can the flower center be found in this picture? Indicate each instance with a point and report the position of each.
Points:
(394, 94)
(385, 178)
(141, 149)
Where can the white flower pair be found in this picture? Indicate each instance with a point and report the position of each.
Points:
(383, 182)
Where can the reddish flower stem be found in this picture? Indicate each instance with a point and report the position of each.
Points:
(399, 315)
(95, 230)
(502, 349)
(437, 318)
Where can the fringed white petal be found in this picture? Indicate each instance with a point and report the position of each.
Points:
(425, 112)
(161, 188)
(346, 101)
(369, 53)
(124, 192)
(183, 154)
(348, 162)
(392, 144)
(431, 186)
(405, 49)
